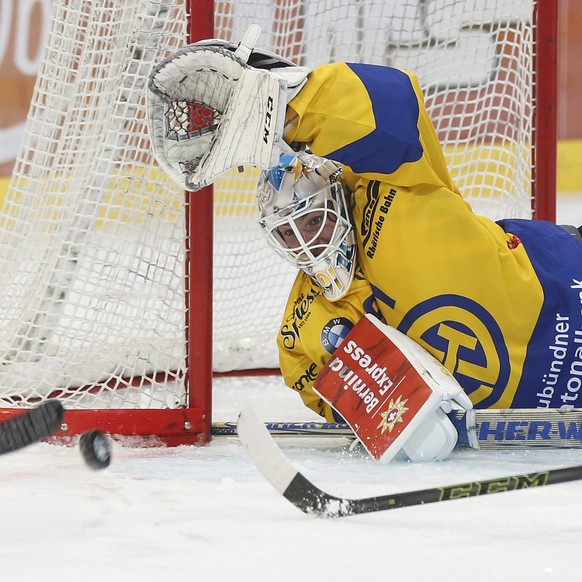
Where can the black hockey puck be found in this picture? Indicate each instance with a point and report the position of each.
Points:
(95, 449)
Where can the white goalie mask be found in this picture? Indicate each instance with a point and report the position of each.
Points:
(304, 213)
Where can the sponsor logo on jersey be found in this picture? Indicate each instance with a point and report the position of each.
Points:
(334, 332)
(296, 320)
(372, 197)
(307, 377)
(375, 213)
(467, 340)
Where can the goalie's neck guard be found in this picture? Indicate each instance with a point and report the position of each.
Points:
(304, 214)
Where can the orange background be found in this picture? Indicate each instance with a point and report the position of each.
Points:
(570, 70)
(26, 31)
(16, 88)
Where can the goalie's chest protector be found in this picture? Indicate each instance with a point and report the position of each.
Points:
(499, 305)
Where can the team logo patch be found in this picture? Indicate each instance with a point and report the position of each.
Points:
(334, 332)
(467, 340)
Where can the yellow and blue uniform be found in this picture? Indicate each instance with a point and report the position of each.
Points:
(500, 304)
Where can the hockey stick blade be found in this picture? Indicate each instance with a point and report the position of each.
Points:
(30, 426)
(296, 488)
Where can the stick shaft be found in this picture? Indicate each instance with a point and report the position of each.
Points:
(305, 495)
(484, 429)
(463, 490)
(30, 426)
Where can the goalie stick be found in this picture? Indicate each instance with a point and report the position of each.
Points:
(296, 488)
(290, 429)
(30, 426)
(491, 429)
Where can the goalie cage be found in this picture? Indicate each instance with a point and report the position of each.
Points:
(106, 266)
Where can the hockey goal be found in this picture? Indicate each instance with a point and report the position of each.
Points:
(106, 266)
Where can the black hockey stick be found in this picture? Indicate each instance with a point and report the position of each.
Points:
(296, 488)
(492, 429)
(30, 426)
(291, 429)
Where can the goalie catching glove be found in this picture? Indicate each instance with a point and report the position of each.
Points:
(213, 106)
(392, 393)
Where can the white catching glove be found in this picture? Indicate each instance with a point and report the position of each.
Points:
(213, 107)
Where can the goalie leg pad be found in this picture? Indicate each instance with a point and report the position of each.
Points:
(392, 392)
(433, 440)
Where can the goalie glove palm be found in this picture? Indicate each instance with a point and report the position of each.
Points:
(209, 111)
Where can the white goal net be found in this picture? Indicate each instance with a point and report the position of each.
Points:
(92, 234)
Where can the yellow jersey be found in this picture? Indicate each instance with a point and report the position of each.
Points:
(498, 303)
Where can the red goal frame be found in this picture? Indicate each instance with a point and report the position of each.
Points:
(192, 424)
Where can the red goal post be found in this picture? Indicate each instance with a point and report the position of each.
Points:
(545, 132)
(123, 295)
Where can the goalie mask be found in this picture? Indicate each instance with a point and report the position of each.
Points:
(304, 213)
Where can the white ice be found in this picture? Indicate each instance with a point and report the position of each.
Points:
(205, 513)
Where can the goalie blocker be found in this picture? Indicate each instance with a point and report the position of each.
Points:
(392, 393)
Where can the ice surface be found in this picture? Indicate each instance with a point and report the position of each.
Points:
(204, 513)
